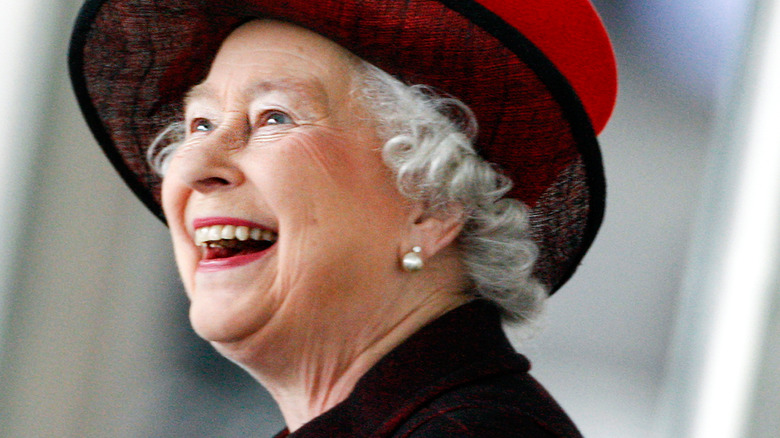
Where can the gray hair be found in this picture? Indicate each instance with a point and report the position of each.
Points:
(430, 148)
(429, 145)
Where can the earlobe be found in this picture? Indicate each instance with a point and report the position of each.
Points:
(436, 231)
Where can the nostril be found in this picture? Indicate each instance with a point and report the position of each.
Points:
(211, 183)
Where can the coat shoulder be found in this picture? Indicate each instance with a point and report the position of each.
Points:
(475, 421)
(509, 406)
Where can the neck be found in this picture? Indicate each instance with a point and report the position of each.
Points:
(310, 367)
(330, 376)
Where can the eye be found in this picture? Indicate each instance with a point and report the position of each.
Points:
(275, 117)
(201, 125)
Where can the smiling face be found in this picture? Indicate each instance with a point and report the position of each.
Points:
(281, 211)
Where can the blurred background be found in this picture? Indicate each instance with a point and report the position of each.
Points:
(671, 327)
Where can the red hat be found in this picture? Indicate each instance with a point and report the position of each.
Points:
(539, 75)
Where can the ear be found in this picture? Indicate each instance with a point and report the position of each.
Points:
(434, 232)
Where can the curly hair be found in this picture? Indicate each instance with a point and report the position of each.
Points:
(429, 146)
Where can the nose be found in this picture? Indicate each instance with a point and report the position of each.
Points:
(210, 164)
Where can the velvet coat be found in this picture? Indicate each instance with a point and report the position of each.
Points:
(457, 377)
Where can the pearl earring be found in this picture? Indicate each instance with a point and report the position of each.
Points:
(412, 262)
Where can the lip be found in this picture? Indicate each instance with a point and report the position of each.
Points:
(217, 220)
(216, 265)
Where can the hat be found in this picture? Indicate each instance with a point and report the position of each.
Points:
(539, 75)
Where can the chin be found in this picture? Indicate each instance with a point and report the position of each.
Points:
(224, 323)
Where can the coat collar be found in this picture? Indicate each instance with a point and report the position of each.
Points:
(463, 345)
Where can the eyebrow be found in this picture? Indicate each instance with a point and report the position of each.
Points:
(303, 89)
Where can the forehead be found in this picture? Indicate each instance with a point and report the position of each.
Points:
(253, 89)
(267, 56)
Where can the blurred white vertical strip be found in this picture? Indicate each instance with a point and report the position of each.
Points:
(24, 64)
(750, 260)
(728, 291)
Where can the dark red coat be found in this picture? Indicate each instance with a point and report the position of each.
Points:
(457, 377)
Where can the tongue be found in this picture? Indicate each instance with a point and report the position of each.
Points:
(236, 249)
(220, 253)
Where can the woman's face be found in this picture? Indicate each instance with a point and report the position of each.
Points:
(280, 208)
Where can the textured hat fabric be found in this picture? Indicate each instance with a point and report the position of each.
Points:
(538, 74)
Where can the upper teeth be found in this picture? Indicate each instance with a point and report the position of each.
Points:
(215, 233)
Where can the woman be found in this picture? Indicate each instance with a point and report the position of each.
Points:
(345, 238)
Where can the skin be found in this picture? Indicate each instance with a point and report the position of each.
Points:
(276, 137)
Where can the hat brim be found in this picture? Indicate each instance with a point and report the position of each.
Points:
(132, 61)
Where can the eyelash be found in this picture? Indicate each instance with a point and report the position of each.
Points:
(268, 118)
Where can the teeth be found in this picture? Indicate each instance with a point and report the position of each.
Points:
(201, 235)
(214, 233)
(208, 236)
(228, 232)
(242, 233)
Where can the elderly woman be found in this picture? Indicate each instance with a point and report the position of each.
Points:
(345, 237)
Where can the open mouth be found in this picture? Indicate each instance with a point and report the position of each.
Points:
(226, 241)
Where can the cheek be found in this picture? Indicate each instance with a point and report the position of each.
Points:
(333, 166)
(170, 200)
(335, 194)
(302, 177)
(174, 198)
(173, 192)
